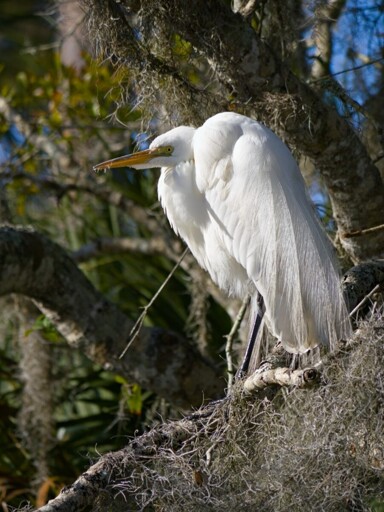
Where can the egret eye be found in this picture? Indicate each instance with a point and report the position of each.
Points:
(164, 150)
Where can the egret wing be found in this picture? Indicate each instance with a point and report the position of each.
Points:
(262, 219)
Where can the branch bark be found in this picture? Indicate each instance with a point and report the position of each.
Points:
(283, 377)
(327, 15)
(108, 245)
(159, 360)
(361, 279)
(122, 464)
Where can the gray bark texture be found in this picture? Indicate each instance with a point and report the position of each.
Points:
(159, 360)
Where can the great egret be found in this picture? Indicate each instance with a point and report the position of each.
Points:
(232, 190)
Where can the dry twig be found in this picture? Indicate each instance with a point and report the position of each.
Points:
(230, 338)
(139, 322)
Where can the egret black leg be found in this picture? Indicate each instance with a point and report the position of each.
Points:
(295, 362)
(242, 371)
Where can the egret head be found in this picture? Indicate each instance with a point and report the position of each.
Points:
(167, 150)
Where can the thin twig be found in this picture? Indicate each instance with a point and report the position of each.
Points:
(362, 302)
(208, 454)
(139, 322)
(230, 338)
(354, 68)
(360, 232)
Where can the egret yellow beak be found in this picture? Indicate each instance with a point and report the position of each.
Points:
(141, 157)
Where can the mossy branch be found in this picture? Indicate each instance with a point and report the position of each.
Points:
(327, 433)
(34, 266)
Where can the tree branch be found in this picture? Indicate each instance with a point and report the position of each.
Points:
(283, 377)
(122, 464)
(327, 15)
(158, 360)
(360, 280)
(108, 245)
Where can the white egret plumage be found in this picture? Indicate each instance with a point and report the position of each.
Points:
(232, 190)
